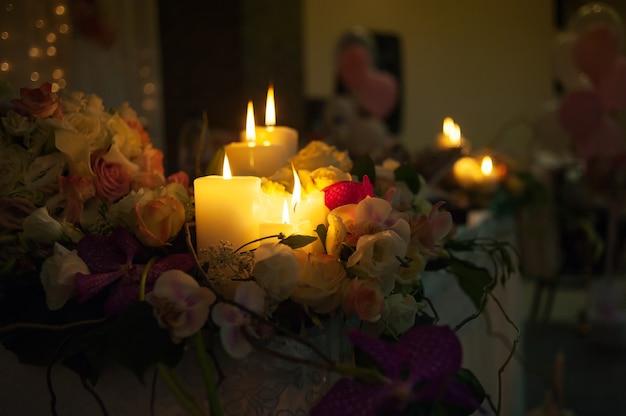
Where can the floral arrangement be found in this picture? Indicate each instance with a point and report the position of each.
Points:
(97, 247)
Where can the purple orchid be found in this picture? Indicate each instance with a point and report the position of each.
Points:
(420, 368)
(110, 260)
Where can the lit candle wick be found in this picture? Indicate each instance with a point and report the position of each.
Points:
(250, 130)
(270, 108)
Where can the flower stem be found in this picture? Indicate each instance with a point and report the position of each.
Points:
(144, 277)
(190, 407)
(7, 238)
(50, 327)
(209, 385)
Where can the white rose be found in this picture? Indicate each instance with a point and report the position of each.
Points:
(41, 227)
(16, 124)
(44, 171)
(90, 126)
(276, 270)
(377, 254)
(399, 312)
(318, 154)
(13, 162)
(58, 273)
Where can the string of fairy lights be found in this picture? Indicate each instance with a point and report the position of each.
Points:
(34, 52)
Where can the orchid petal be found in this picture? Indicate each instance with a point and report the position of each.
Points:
(348, 397)
(390, 358)
(435, 351)
(250, 295)
(88, 285)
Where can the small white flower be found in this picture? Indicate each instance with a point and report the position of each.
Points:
(399, 312)
(276, 270)
(377, 254)
(58, 273)
(41, 227)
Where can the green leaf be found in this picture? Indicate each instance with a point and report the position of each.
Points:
(322, 232)
(298, 241)
(408, 174)
(216, 165)
(364, 166)
(473, 280)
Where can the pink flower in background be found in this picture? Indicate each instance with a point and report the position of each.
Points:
(38, 102)
(180, 177)
(159, 220)
(180, 303)
(233, 320)
(151, 170)
(428, 232)
(364, 299)
(112, 180)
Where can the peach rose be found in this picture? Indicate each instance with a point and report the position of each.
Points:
(364, 299)
(111, 180)
(321, 282)
(38, 102)
(159, 220)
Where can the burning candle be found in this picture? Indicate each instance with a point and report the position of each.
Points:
(227, 208)
(267, 229)
(451, 136)
(273, 134)
(255, 156)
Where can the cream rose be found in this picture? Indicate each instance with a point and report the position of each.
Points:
(377, 254)
(58, 273)
(399, 312)
(91, 126)
(321, 282)
(127, 139)
(318, 154)
(276, 270)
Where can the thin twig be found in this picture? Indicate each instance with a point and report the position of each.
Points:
(95, 395)
(511, 353)
(51, 327)
(432, 307)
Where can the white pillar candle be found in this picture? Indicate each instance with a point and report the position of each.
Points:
(284, 136)
(255, 156)
(227, 208)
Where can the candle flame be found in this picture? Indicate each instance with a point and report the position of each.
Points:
(448, 125)
(455, 135)
(270, 108)
(250, 131)
(486, 166)
(285, 212)
(297, 189)
(226, 169)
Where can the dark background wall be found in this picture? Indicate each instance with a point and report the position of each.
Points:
(217, 55)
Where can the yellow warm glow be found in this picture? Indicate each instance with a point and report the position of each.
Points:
(448, 126)
(455, 135)
(285, 212)
(486, 166)
(250, 131)
(226, 169)
(270, 108)
(297, 189)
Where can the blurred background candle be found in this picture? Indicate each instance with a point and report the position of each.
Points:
(254, 156)
(273, 134)
(227, 208)
(451, 137)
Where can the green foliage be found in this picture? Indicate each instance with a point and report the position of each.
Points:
(298, 241)
(364, 166)
(322, 232)
(408, 174)
(474, 280)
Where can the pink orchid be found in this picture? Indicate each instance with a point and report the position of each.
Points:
(233, 321)
(427, 232)
(180, 303)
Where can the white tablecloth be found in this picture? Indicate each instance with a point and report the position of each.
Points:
(483, 354)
